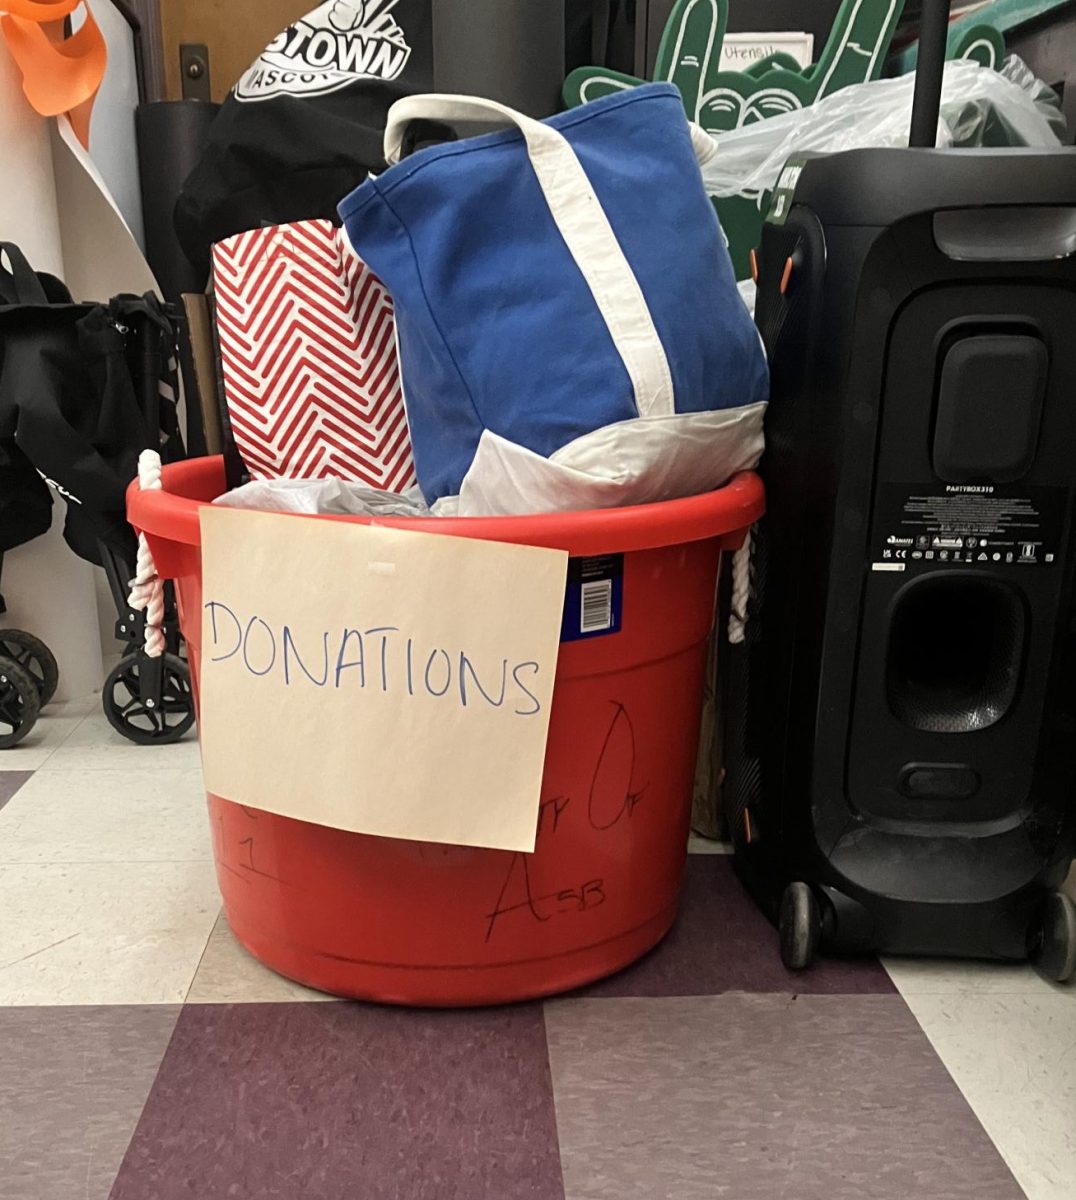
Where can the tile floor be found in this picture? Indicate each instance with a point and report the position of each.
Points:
(145, 1056)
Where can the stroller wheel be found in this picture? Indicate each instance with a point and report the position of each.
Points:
(145, 719)
(32, 653)
(20, 702)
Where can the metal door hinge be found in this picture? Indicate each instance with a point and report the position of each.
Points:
(194, 70)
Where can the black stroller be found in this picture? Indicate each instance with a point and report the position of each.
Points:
(84, 388)
(29, 675)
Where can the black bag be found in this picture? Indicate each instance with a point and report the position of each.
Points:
(303, 126)
(83, 385)
(25, 500)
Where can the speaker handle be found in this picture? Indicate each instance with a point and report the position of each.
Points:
(929, 66)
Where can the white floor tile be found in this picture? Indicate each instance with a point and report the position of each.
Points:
(227, 974)
(96, 746)
(65, 709)
(103, 933)
(58, 721)
(1014, 1058)
(65, 816)
(952, 977)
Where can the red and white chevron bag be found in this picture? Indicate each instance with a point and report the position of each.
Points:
(308, 350)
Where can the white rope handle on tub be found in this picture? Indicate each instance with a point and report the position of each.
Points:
(741, 591)
(147, 588)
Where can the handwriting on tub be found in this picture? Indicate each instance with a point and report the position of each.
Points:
(541, 908)
(611, 795)
(550, 813)
(611, 798)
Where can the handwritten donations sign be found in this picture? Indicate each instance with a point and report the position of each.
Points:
(378, 680)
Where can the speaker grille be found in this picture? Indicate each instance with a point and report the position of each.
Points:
(956, 648)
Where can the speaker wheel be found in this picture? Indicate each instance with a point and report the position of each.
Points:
(799, 926)
(1053, 940)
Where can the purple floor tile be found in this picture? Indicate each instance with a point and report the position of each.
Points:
(721, 942)
(73, 1081)
(348, 1102)
(762, 1098)
(10, 782)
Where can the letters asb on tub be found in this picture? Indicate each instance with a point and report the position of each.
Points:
(378, 680)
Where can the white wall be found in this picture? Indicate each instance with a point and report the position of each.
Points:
(48, 590)
(112, 132)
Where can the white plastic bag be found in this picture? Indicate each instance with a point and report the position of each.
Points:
(316, 496)
(630, 462)
(749, 160)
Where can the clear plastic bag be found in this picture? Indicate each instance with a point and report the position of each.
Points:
(979, 107)
(1002, 120)
(313, 496)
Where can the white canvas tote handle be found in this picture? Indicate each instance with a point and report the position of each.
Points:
(584, 226)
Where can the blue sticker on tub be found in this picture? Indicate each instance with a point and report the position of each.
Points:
(594, 599)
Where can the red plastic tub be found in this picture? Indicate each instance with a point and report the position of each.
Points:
(416, 923)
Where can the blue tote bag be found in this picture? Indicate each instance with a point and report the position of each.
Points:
(553, 280)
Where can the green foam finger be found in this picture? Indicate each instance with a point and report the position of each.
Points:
(690, 51)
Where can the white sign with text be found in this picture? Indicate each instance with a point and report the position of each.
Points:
(742, 50)
(378, 680)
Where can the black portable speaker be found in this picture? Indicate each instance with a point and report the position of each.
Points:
(902, 704)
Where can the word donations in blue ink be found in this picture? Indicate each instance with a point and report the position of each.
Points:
(377, 659)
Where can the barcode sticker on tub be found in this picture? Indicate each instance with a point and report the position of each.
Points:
(597, 606)
(593, 598)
